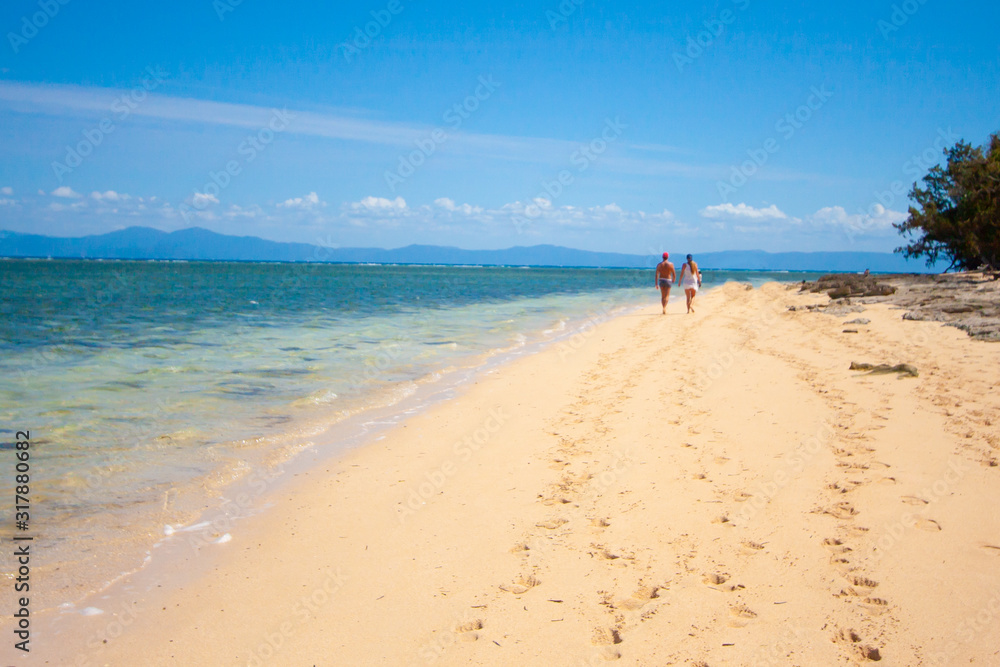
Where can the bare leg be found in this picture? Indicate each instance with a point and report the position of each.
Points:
(689, 293)
(664, 297)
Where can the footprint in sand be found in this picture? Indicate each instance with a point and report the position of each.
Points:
(606, 636)
(865, 651)
(610, 654)
(869, 653)
(875, 605)
(841, 511)
(640, 598)
(717, 581)
(859, 586)
(467, 631)
(749, 547)
(600, 523)
(521, 585)
(847, 637)
(741, 615)
(723, 519)
(552, 524)
(913, 500)
(863, 582)
(839, 561)
(603, 552)
(521, 549)
(742, 496)
(930, 525)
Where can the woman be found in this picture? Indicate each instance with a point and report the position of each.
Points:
(690, 280)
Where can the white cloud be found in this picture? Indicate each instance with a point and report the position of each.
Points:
(7, 191)
(742, 212)
(877, 219)
(379, 205)
(110, 195)
(449, 205)
(56, 206)
(311, 200)
(66, 192)
(7, 202)
(201, 200)
(241, 212)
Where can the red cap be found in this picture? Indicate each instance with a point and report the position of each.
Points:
(666, 255)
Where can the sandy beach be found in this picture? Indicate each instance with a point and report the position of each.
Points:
(712, 489)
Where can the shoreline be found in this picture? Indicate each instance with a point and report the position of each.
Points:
(247, 496)
(600, 517)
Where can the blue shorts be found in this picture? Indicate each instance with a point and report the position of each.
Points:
(663, 282)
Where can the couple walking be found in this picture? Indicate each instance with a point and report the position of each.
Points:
(690, 280)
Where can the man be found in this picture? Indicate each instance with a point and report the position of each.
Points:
(665, 279)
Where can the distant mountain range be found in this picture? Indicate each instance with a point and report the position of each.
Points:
(201, 244)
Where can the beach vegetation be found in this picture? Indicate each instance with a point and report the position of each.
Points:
(957, 213)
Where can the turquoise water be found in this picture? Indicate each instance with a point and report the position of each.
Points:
(148, 387)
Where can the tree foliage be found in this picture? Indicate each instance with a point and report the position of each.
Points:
(957, 216)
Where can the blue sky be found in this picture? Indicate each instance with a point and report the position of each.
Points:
(606, 126)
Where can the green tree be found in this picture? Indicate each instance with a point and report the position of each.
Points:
(957, 216)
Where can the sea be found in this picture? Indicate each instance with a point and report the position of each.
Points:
(149, 388)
